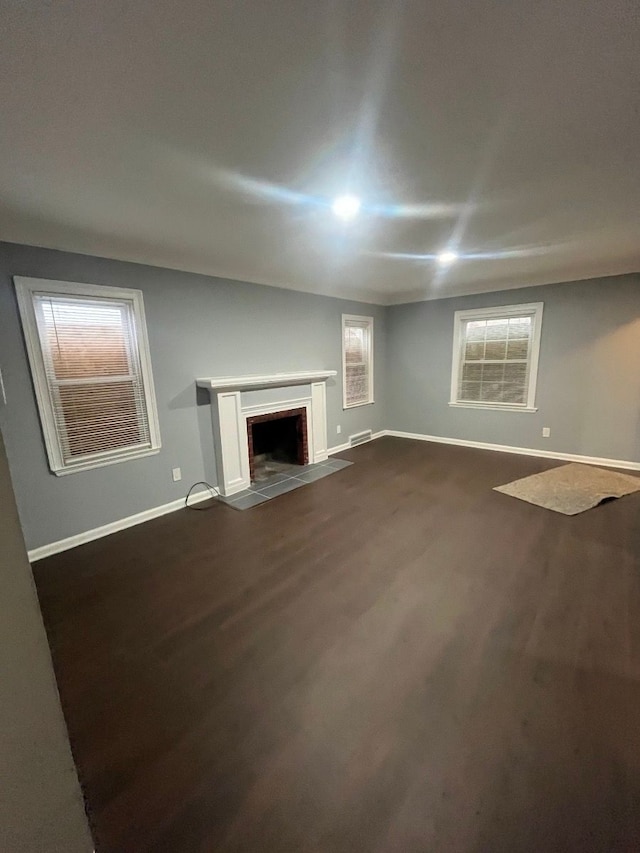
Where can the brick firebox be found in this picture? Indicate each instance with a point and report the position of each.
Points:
(301, 433)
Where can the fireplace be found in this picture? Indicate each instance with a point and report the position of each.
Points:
(277, 440)
(235, 400)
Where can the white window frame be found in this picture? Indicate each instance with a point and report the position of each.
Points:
(368, 322)
(25, 290)
(533, 309)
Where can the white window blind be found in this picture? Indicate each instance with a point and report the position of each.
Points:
(495, 366)
(496, 358)
(94, 387)
(357, 349)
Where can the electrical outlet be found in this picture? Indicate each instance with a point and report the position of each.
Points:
(338, 429)
(546, 432)
(176, 474)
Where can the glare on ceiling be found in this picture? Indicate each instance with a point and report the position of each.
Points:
(346, 207)
(447, 258)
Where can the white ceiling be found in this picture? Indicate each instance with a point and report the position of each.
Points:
(208, 136)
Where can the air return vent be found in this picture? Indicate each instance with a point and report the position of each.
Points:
(360, 438)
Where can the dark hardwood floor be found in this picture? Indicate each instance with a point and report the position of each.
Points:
(394, 658)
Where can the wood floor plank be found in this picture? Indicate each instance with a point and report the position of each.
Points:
(393, 658)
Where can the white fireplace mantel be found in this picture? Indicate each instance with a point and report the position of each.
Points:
(253, 382)
(230, 409)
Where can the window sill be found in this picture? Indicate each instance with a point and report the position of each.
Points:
(357, 405)
(100, 463)
(499, 407)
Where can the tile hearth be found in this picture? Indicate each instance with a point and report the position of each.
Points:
(286, 479)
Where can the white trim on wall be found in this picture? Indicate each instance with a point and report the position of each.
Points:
(115, 526)
(522, 451)
(252, 381)
(155, 512)
(366, 323)
(340, 448)
(140, 517)
(26, 289)
(278, 406)
(492, 407)
(229, 417)
(532, 309)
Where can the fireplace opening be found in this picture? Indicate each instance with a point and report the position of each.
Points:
(277, 442)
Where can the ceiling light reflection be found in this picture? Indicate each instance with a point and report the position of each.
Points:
(447, 258)
(266, 191)
(443, 257)
(346, 207)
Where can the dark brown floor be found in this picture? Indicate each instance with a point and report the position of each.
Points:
(394, 658)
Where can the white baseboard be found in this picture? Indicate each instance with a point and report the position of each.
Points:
(339, 448)
(522, 451)
(155, 512)
(122, 524)
(138, 518)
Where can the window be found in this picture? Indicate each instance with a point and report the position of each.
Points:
(91, 369)
(357, 360)
(495, 357)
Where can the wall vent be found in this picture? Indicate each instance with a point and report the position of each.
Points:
(360, 438)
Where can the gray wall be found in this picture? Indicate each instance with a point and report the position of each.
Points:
(41, 808)
(588, 384)
(588, 389)
(198, 326)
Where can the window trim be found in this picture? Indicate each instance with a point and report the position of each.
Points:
(531, 308)
(368, 321)
(25, 289)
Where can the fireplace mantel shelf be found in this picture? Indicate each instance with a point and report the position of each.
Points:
(265, 381)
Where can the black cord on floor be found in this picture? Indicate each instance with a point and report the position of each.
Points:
(193, 506)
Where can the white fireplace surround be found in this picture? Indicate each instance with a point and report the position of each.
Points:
(233, 401)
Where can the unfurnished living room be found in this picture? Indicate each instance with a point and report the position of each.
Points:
(320, 421)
